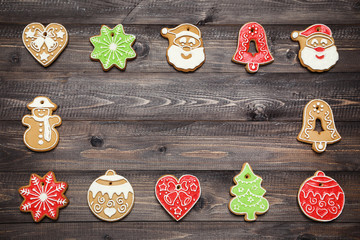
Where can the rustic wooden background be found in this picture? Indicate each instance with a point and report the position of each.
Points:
(151, 120)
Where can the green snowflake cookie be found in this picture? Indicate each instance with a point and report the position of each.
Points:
(248, 195)
(112, 47)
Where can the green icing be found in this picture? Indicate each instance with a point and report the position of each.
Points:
(113, 47)
(248, 193)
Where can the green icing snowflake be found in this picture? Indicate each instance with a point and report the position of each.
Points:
(113, 47)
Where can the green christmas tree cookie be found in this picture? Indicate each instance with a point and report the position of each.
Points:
(112, 47)
(248, 195)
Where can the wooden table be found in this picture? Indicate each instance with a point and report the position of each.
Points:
(151, 120)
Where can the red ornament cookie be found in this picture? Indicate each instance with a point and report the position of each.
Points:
(252, 31)
(321, 198)
(178, 196)
(44, 196)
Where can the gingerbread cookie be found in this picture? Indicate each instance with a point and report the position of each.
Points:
(186, 48)
(317, 48)
(248, 195)
(321, 198)
(318, 109)
(252, 31)
(178, 197)
(45, 43)
(112, 47)
(41, 134)
(110, 197)
(44, 196)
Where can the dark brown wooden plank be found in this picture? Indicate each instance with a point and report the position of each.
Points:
(184, 230)
(154, 145)
(281, 186)
(165, 96)
(174, 12)
(220, 44)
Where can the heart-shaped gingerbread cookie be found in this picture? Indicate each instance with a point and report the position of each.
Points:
(45, 43)
(178, 196)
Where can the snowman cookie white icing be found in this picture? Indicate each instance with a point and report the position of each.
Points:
(110, 197)
(41, 134)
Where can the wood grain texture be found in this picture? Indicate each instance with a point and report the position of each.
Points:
(178, 145)
(220, 44)
(202, 12)
(198, 96)
(151, 120)
(281, 186)
(183, 230)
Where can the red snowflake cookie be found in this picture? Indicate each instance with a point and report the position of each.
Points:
(43, 197)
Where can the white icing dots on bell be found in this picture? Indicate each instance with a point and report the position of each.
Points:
(41, 142)
(318, 108)
(40, 136)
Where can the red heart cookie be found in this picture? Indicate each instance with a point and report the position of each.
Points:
(178, 196)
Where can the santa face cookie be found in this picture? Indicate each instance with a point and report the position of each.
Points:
(110, 197)
(321, 198)
(318, 109)
(41, 134)
(44, 196)
(178, 197)
(45, 43)
(317, 48)
(186, 48)
(248, 195)
(112, 47)
(252, 31)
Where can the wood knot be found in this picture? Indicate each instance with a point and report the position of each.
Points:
(290, 54)
(15, 58)
(162, 149)
(96, 141)
(306, 237)
(107, 237)
(257, 112)
(141, 49)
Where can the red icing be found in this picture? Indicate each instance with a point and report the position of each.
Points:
(321, 198)
(178, 196)
(252, 32)
(43, 197)
(317, 28)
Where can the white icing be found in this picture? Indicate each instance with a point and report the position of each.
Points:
(164, 31)
(186, 33)
(41, 102)
(125, 188)
(330, 57)
(175, 58)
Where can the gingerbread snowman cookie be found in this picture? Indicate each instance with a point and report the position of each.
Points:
(44, 196)
(110, 197)
(45, 43)
(321, 198)
(178, 196)
(41, 134)
(318, 109)
(318, 52)
(252, 31)
(186, 48)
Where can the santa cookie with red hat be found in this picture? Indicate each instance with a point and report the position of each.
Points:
(186, 49)
(317, 48)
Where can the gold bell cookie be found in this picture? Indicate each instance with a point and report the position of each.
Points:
(317, 52)
(318, 109)
(41, 134)
(110, 197)
(45, 43)
(186, 48)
